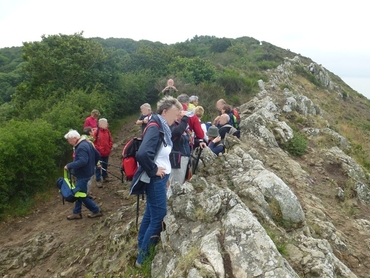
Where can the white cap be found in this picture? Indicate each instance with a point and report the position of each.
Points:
(72, 134)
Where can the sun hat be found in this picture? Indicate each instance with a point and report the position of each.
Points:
(213, 131)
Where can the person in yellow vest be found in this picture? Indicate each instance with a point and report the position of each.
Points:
(193, 102)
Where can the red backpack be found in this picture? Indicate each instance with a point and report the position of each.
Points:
(236, 114)
(129, 163)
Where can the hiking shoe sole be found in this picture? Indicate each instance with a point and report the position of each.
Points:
(95, 215)
(99, 184)
(74, 216)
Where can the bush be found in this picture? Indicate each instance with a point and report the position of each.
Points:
(297, 145)
(27, 162)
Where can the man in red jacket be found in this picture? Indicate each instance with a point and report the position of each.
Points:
(103, 143)
(193, 122)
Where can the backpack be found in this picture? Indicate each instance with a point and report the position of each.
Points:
(66, 189)
(232, 131)
(234, 118)
(129, 163)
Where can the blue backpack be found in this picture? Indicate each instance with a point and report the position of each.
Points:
(67, 189)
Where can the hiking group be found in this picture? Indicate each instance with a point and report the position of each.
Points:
(162, 156)
(90, 158)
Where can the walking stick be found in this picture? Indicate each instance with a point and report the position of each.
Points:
(197, 160)
(137, 211)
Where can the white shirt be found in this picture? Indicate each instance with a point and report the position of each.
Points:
(163, 158)
(205, 131)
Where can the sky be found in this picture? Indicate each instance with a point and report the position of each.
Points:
(333, 34)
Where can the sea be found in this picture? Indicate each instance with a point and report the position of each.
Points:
(359, 84)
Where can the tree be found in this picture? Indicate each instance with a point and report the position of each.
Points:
(194, 70)
(60, 63)
(220, 45)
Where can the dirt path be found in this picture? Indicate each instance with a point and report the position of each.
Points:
(50, 217)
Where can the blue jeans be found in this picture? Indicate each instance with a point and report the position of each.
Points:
(90, 205)
(99, 172)
(155, 211)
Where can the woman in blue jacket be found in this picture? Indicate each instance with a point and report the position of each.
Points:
(153, 172)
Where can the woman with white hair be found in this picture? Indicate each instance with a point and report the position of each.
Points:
(193, 102)
(103, 143)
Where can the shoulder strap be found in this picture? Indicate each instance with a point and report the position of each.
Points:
(148, 125)
(227, 125)
(97, 134)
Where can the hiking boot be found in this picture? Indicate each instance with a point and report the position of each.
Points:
(99, 184)
(94, 215)
(137, 265)
(106, 179)
(75, 216)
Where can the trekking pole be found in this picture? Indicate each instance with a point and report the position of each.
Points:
(109, 172)
(197, 160)
(109, 164)
(122, 174)
(137, 211)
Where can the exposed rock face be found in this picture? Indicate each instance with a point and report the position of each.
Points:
(321, 74)
(232, 242)
(211, 231)
(251, 212)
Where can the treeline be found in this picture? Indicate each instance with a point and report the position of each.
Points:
(50, 86)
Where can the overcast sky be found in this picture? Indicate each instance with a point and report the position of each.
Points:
(334, 34)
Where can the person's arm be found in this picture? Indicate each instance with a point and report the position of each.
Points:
(147, 150)
(166, 89)
(204, 128)
(216, 149)
(110, 140)
(140, 120)
(195, 126)
(81, 158)
(89, 122)
(216, 120)
(178, 130)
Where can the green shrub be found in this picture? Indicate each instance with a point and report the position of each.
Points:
(235, 82)
(308, 75)
(27, 162)
(297, 145)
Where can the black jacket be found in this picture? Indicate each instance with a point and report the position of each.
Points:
(180, 141)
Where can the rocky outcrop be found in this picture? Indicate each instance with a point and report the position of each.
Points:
(255, 211)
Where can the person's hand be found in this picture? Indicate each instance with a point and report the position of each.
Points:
(161, 172)
(217, 139)
(202, 145)
(65, 167)
(145, 121)
(183, 113)
(216, 120)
